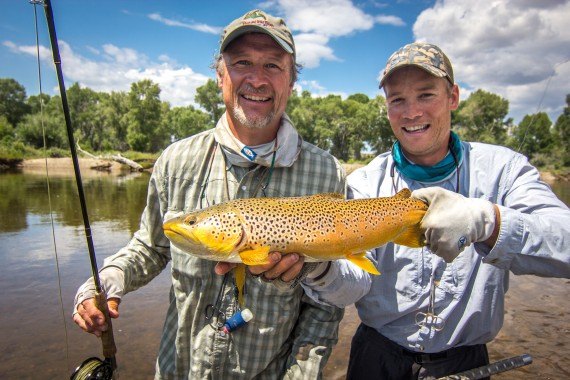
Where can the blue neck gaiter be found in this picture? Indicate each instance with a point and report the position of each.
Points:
(433, 173)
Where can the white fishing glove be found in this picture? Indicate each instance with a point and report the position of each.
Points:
(453, 222)
(111, 279)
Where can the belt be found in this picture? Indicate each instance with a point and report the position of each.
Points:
(421, 358)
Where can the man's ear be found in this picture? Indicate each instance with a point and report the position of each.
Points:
(454, 98)
(219, 79)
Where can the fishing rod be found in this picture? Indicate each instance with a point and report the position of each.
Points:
(491, 369)
(92, 368)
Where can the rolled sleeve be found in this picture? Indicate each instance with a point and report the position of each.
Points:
(343, 285)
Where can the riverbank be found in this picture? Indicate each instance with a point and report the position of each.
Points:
(63, 166)
(95, 167)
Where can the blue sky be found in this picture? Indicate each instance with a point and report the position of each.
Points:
(519, 49)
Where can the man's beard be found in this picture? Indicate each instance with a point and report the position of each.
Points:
(252, 122)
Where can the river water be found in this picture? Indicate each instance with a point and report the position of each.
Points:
(40, 341)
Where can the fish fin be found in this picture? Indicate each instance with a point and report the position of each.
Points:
(404, 193)
(220, 246)
(363, 262)
(413, 236)
(239, 273)
(255, 256)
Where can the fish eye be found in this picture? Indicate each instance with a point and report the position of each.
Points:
(190, 220)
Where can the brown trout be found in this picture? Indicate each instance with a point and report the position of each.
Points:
(321, 227)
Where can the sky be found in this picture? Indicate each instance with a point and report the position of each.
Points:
(518, 49)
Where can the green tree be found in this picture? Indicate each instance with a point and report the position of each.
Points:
(186, 121)
(31, 130)
(377, 132)
(534, 135)
(562, 133)
(144, 116)
(35, 104)
(303, 113)
(12, 100)
(481, 117)
(6, 129)
(330, 126)
(209, 97)
(114, 108)
(86, 117)
(355, 120)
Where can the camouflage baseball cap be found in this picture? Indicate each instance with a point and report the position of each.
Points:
(261, 22)
(423, 55)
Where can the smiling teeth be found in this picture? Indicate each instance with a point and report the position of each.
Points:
(256, 98)
(416, 128)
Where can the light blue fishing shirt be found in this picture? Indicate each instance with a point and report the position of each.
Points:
(534, 238)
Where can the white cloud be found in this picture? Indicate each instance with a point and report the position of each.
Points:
(193, 26)
(121, 67)
(331, 18)
(514, 48)
(315, 22)
(45, 53)
(389, 20)
(311, 48)
(311, 85)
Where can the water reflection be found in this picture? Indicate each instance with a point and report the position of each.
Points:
(109, 198)
(32, 323)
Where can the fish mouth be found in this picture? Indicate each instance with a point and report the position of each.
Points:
(170, 230)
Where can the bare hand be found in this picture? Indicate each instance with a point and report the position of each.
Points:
(287, 267)
(91, 319)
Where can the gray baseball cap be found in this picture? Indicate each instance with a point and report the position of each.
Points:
(261, 22)
(423, 55)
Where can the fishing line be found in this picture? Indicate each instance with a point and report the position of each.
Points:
(539, 104)
(62, 309)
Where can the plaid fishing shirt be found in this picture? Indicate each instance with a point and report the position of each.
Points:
(290, 336)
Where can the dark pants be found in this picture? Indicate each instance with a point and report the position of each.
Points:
(372, 356)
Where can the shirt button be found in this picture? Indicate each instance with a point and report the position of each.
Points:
(421, 348)
(244, 188)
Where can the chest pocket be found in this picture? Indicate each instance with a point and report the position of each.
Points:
(455, 277)
(412, 279)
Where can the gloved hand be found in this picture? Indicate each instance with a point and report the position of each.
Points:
(453, 222)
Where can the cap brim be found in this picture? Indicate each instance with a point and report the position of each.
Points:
(254, 28)
(430, 69)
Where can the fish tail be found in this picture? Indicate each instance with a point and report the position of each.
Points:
(239, 274)
(413, 236)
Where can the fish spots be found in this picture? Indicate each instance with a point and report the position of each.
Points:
(323, 226)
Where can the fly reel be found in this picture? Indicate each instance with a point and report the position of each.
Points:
(93, 369)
